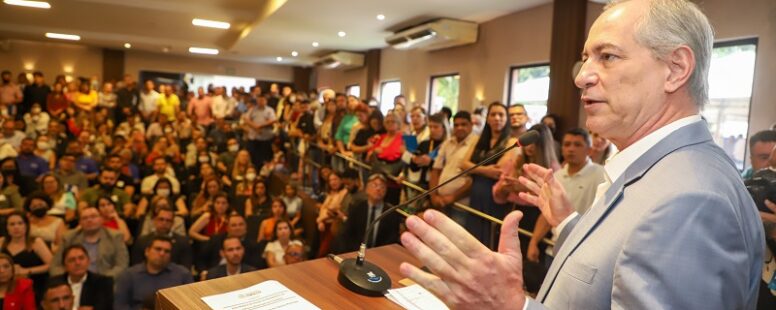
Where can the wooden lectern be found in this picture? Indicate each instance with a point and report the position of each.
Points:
(314, 280)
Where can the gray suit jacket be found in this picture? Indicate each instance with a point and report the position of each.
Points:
(114, 257)
(677, 230)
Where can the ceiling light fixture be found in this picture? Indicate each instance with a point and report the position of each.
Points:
(127, 45)
(341, 34)
(202, 50)
(62, 36)
(294, 53)
(380, 17)
(31, 4)
(279, 58)
(315, 44)
(210, 23)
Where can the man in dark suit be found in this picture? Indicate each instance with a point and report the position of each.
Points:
(361, 213)
(236, 227)
(163, 219)
(89, 289)
(232, 251)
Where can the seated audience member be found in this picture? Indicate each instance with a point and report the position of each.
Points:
(293, 205)
(162, 222)
(11, 135)
(331, 213)
(30, 254)
(213, 221)
(83, 162)
(10, 170)
(89, 289)
(16, 292)
(43, 150)
(361, 213)
(178, 225)
(259, 203)
(210, 188)
(12, 199)
(160, 171)
(232, 252)
(58, 296)
(267, 226)
(294, 254)
(107, 252)
(72, 179)
(47, 227)
(124, 181)
(63, 202)
(143, 280)
(106, 187)
(163, 189)
(111, 218)
(236, 228)
(282, 238)
(30, 165)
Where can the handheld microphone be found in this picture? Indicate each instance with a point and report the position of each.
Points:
(365, 278)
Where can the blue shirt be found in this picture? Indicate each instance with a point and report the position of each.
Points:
(135, 284)
(87, 165)
(32, 165)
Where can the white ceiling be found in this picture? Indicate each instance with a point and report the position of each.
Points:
(261, 29)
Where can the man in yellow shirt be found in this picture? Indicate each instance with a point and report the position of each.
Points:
(168, 103)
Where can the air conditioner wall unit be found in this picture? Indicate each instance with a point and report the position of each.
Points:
(341, 60)
(435, 35)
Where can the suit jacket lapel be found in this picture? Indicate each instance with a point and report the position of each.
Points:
(689, 135)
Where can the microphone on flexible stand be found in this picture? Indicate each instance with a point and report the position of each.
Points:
(365, 278)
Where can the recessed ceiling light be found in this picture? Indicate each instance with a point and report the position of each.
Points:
(315, 44)
(202, 50)
(210, 23)
(127, 45)
(32, 4)
(380, 17)
(62, 36)
(294, 53)
(279, 58)
(341, 34)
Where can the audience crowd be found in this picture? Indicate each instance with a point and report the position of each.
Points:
(110, 192)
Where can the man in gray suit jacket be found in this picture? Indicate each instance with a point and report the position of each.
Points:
(106, 249)
(672, 228)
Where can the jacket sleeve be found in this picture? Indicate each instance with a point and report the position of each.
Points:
(122, 256)
(104, 300)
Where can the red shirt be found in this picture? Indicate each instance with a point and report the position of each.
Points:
(22, 297)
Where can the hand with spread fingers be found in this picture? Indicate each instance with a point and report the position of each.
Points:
(466, 274)
(546, 193)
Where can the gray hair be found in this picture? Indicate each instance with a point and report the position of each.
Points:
(673, 23)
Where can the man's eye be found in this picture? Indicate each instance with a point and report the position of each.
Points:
(608, 57)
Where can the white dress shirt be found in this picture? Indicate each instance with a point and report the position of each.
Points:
(77, 287)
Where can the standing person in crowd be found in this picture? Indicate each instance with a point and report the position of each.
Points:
(56, 102)
(168, 103)
(127, 100)
(106, 100)
(148, 102)
(342, 134)
(518, 120)
(331, 213)
(31, 254)
(602, 149)
(36, 120)
(47, 227)
(423, 158)
(761, 145)
(267, 226)
(387, 151)
(232, 252)
(219, 104)
(10, 94)
(448, 164)
(107, 252)
(37, 92)
(495, 137)
(86, 98)
(257, 123)
(16, 293)
(199, 108)
(141, 282)
(90, 289)
(282, 238)
(327, 130)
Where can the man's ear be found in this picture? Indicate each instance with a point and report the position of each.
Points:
(681, 64)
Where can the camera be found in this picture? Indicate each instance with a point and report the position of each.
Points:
(762, 186)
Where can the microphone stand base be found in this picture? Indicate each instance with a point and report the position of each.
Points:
(367, 279)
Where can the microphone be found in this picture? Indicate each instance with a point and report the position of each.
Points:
(365, 278)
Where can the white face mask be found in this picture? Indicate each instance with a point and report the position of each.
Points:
(203, 159)
(164, 192)
(43, 146)
(250, 176)
(35, 110)
(233, 148)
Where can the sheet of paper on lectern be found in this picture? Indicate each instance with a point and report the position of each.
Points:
(263, 296)
(415, 297)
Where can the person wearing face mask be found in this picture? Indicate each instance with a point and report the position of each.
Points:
(37, 121)
(47, 227)
(226, 159)
(160, 170)
(163, 189)
(43, 150)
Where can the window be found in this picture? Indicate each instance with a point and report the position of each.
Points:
(730, 92)
(388, 90)
(444, 93)
(353, 90)
(530, 86)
